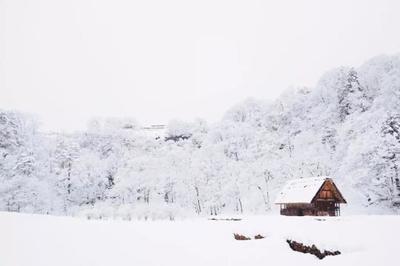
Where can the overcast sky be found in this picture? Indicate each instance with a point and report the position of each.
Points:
(156, 60)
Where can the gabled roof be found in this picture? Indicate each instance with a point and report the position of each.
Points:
(300, 190)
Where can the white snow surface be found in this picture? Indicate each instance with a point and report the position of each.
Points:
(300, 190)
(40, 240)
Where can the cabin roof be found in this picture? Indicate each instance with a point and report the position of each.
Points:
(301, 190)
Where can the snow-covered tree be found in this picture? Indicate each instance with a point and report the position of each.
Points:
(347, 127)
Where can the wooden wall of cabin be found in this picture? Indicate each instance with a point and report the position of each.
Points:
(327, 192)
(297, 209)
(326, 200)
(322, 208)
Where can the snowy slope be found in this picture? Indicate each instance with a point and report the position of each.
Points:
(36, 240)
(347, 127)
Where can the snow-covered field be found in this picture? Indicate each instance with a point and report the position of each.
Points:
(45, 240)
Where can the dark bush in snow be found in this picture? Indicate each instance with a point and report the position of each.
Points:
(300, 247)
(241, 237)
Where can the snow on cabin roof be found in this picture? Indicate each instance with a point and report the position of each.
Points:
(300, 190)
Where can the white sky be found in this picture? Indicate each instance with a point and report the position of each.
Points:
(156, 60)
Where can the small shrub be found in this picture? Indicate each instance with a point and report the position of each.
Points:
(241, 237)
(300, 247)
(225, 219)
(259, 236)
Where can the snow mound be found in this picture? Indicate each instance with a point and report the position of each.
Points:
(36, 240)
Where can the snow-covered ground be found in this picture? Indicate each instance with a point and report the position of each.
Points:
(47, 241)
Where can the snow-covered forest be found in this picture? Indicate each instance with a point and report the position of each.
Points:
(347, 127)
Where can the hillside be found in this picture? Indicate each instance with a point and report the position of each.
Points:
(346, 127)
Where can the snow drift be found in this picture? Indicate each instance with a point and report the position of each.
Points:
(39, 240)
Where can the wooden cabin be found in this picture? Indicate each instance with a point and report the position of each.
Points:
(316, 196)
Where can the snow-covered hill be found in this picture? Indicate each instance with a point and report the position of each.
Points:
(346, 127)
(36, 240)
